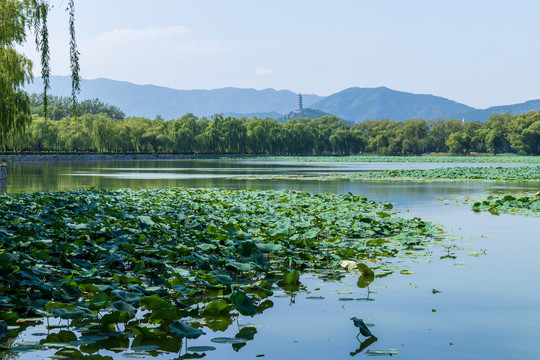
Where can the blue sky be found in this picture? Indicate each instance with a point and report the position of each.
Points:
(481, 53)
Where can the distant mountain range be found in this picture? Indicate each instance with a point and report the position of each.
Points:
(353, 104)
(150, 101)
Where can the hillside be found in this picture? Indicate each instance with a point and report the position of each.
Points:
(353, 104)
(305, 113)
(360, 104)
(483, 115)
(150, 100)
(260, 115)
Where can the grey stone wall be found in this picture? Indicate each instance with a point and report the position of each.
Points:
(21, 158)
(3, 171)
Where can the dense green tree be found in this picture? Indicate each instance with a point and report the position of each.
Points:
(17, 18)
(459, 142)
(524, 133)
(495, 133)
(60, 107)
(15, 68)
(226, 135)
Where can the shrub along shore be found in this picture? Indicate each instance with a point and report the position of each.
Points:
(328, 135)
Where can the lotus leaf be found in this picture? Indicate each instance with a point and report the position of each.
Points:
(359, 323)
(183, 330)
(243, 303)
(366, 275)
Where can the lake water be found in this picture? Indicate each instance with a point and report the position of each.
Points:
(488, 306)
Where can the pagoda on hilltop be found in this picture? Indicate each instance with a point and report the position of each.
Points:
(300, 107)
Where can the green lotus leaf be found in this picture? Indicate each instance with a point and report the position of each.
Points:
(218, 323)
(217, 307)
(243, 303)
(201, 348)
(145, 348)
(312, 233)
(61, 337)
(9, 317)
(366, 275)
(116, 317)
(291, 279)
(381, 352)
(181, 329)
(364, 330)
(123, 306)
(247, 333)
(128, 297)
(227, 340)
(155, 302)
(165, 315)
(269, 247)
(241, 266)
(145, 332)
(73, 312)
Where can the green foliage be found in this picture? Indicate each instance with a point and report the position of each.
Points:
(499, 159)
(366, 276)
(103, 129)
(15, 68)
(60, 107)
(77, 255)
(522, 173)
(16, 18)
(528, 205)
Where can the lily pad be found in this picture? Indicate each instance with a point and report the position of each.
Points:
(381, 352)
(201, 348)
(182, 330)
(228, 340)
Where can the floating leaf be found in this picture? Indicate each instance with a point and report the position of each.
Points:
(381, 352)
(201, 348)
(406, 272)
(228, 340)
(145, 348)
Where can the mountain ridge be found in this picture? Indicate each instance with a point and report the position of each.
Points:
(354, 104)
(152, 100)
(360, 104)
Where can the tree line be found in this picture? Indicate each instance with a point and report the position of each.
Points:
(103, 129)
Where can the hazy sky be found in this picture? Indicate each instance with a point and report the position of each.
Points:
(478, 52)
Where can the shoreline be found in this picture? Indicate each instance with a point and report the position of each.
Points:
(36, 158)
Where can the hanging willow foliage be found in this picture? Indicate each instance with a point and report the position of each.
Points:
(16, 19)
(38, 12)
(15, 68)
(73, 57)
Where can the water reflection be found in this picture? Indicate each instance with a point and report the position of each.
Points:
(364, 345)
(225, 173)
(473, 311)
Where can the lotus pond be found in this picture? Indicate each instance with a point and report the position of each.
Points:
(99, 274)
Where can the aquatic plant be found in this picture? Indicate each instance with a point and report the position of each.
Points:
(528, 205)
(156, 264)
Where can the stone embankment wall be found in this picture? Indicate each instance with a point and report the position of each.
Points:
(19, 158)
(3, 171)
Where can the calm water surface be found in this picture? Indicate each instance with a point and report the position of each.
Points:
(488, 307)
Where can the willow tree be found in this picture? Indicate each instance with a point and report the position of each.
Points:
(17, 19)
